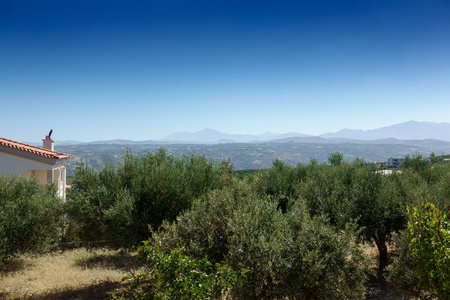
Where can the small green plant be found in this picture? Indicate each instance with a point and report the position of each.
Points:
(430, 248)
(173, 275)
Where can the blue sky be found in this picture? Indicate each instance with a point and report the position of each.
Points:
(140, 70)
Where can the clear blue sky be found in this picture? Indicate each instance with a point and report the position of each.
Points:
(139, 70)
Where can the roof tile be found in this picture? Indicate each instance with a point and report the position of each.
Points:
(33, 149)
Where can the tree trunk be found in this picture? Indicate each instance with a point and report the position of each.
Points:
(380, 241)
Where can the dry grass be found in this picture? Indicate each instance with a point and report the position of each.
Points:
(372, 252)
(75, 274)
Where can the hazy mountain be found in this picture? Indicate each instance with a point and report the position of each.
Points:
(214, 136)
(304, 140)
(128, 142)
(68, 142)
(116, 142)
(394, 134)
(430, 143)
(57, 143)
(411, 130)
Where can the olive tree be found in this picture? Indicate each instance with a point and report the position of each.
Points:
(287, 254)
(118, 204)
(347, 192)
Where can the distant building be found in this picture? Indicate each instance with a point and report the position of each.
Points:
(29, 161)
(387, 172)
(384, 172)
(447, 160)
(395, 162)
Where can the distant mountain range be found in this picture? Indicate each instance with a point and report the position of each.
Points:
(214, 136)
(258, 151)
(411, 130)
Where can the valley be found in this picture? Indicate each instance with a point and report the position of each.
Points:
(261, 155)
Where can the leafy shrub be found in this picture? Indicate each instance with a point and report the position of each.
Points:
(402, 271)
(118, 204)
(287, 255)
(326, 190)
(430, 248)
(437, 191)
(279, 181)
(335, 158)
(30, 216)
(419, 165)
(173, 275)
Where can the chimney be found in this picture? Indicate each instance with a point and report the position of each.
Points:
(48, 143)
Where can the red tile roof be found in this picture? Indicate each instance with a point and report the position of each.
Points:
(33, 149)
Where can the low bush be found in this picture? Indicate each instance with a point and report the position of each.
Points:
(429, 230)
(402, 271)
(30, 216)
(173, 275)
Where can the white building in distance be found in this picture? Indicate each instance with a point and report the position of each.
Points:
(395, 162)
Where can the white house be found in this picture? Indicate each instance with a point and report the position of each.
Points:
(395, 162)
(43, 163)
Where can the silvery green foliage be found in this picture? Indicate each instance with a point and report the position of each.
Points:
(402, 271)
(118, 204)
(30, 216)
(288, 255)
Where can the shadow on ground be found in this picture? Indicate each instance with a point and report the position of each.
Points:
(120, 261)
(378, 288)
(97, 291)
(13, 265)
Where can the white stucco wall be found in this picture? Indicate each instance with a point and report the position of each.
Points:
(14, 165)
(59, 178)
(41, 175)
(19, 166)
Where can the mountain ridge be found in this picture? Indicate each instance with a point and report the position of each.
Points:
(411, 130)
(212, 136)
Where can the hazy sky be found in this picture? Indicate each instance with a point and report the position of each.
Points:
(97, 70)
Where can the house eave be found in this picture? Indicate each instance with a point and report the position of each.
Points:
(35, 157)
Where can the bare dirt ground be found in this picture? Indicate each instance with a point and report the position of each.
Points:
(82, 274)
(378, 288)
